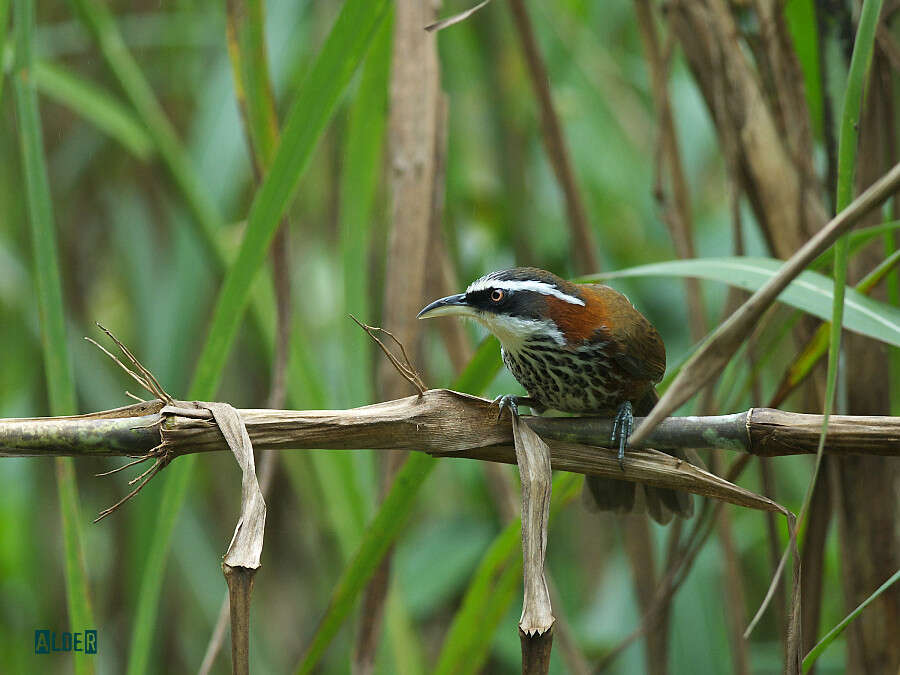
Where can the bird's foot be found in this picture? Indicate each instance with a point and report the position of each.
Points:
(509, 401)
(623, 425)
(513, 402)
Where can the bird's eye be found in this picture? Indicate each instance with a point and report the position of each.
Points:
(496, 295)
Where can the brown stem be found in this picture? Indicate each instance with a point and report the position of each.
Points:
(440, 422)
(261, 131)
(536, 650)
(733, 607)
(582, 243)
(240, 587)
(639, 547)
(775, 547)
(677, 210)
(415, 113)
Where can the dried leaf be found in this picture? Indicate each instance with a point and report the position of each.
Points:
(247, 542)
(533, 458)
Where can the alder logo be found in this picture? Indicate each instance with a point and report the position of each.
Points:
(47, 641)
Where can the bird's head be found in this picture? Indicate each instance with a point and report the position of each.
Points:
(515, 305)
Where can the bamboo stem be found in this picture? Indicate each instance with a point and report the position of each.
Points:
(440, 422)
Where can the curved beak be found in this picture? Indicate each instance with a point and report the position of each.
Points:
(451, 305)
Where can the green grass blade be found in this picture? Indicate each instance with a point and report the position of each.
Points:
(57, 367)
(491, 590)
(343, 503)
(810, 292)
(858, 240)
(388, 521)
(253, 85)
(800, 16)
(847, 146)
(95, 105)
(893, 297)
(315, 102)
(847, 142)
(4, 20)
(347, 478)
(830, 637)
(359, 180)
(81, 616)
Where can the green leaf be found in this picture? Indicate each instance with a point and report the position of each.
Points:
(810, 292)
(313, 106)
(57, 367)
(830, 637)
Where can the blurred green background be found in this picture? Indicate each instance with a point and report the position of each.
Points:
(131, 258)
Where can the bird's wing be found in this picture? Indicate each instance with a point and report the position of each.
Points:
(638, 348)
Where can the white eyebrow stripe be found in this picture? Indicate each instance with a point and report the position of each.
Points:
(529, 285)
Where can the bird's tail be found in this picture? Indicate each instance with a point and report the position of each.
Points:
(622, 496)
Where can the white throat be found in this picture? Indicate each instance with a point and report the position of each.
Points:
(513, 332)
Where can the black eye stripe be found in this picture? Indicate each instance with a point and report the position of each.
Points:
(519, 303)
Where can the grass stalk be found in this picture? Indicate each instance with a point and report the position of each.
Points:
(847, 147)
(57, 366)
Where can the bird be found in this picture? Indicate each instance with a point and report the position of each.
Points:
(575, 348)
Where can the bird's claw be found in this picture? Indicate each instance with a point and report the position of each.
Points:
(507, 401)
(623, 425)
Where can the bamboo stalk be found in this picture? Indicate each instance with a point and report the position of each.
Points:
(439, 422)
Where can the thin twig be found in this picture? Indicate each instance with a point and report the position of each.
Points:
(155, 387)
(158, 466)
(406, 369)
(137, 378)
(139, 460)
(146, 379)
(456, 18)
